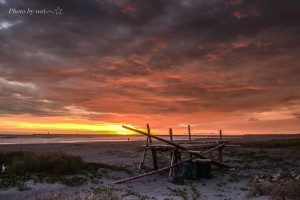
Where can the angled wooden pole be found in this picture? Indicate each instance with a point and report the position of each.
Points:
(153, 150)
(217, 163)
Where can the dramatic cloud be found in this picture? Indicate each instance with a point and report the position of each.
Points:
(216, 64)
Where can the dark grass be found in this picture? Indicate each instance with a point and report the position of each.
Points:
(50, 163)
(135, 194)
(181, 192)
(51, 167)
(285, 188)
(272, 144)
(93, 167)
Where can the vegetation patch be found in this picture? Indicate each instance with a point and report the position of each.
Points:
(287, 143)
(51, 167)
(107, 193)
(284, 186)
(69, 181)
(130, 192)
(50, 163)
(94, 167)
(195, 193)
(235, 177)
(12, 180)
(181, 192)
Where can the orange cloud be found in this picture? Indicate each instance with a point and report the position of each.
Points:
(241, 14)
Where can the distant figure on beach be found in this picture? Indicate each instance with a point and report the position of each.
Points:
(128, 139)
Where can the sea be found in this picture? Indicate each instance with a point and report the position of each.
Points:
(8, 139)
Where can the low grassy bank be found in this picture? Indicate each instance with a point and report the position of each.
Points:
(272, 144)
(49, 163)
(51, 167)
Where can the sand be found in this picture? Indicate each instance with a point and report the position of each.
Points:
(221, 186)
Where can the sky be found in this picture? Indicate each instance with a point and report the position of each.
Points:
(91, 66)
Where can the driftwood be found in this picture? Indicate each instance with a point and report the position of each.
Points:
(217, 163)
(165, 168)
(150, 173)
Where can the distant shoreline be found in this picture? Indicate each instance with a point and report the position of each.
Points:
(122, 135)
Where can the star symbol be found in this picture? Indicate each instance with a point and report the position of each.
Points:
(58, 11)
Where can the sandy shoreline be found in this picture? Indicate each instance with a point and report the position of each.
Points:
(156, 186)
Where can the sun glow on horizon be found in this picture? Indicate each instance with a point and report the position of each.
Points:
(103, 127)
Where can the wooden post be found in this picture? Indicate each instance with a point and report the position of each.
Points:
(221, 154)
(171, 173)
(171, 140)
(149, 133)
(143, 159)
(147, 141)
(153, 150)
(171, 135)
(220, 150)
(189, 128)
(144, 154)
(154, 157)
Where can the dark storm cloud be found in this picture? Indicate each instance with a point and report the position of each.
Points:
(171, 56)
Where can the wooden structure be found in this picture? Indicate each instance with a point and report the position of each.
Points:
(191, 147)
(195, 149)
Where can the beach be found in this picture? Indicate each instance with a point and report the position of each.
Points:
(247, 162)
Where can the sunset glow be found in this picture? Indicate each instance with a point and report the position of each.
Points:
(71, 127)
(230, 65)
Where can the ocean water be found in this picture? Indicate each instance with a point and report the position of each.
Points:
(45, 139)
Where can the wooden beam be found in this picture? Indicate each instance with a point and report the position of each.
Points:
(217, 163)
(204, 152)
(190, 151)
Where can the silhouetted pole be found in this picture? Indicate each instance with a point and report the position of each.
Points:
(153, 150)
(189, 128)
(220, 150)
(148, 130)
(171, 135)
